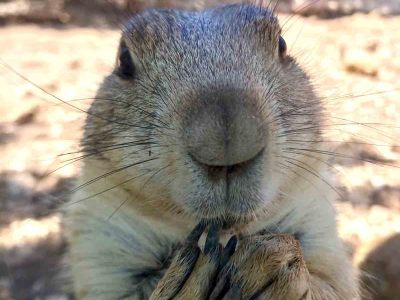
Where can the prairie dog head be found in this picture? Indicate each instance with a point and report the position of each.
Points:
(199, 111)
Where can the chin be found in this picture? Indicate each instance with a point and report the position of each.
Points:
(223, 216)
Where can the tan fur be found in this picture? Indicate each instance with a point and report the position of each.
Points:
(273, 256)
(124, 227)
(204, 269)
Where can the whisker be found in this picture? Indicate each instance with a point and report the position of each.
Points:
(297, 12)
(111, 173)
(154, 174)
(137, 142)
(105, 190)
(333, 127)
(294, 141)
(7, 66)
(306, 179)
(118, 208)
(335, 154)
(76, 159)
(302, 165)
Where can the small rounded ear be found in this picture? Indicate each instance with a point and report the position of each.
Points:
(125, 66)
(282, 48)
(267, 27)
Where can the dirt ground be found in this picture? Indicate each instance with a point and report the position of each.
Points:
(355, 62)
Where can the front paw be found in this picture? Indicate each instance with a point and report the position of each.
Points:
(192, 273)
(265, 267)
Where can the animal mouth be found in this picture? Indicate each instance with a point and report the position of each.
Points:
(229, 224)
(224, 194)
(217, 172)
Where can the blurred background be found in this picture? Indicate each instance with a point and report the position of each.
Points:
(350, 48)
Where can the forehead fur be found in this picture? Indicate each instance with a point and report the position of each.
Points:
(147, 31)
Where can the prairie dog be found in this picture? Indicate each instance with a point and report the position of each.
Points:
(201, 122)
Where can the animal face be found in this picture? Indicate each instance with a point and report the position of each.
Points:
(209, 103)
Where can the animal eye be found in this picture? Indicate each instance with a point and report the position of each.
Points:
(282, 47)
(126, 68)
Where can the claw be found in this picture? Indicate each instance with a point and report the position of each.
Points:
(196, 233)
(234, 293)
(220, 288)
(228, 251)
(212, 244)
(230, 246)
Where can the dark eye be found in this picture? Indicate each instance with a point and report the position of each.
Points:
(282, 47)
(126, 68)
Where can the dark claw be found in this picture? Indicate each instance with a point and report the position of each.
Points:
(304, 295)
(196, 233)
(188, 259)
(228, 251)
(190, 251)
(220, 288)
(212, 244)
(230, 246)
(225, 279)
(234, 293)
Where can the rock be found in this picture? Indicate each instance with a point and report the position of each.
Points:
(360, 61)
(38, 10)
(387, 196)
(358, 152)
(382, 271)
(27, 117)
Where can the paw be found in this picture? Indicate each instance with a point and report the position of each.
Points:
(192, 273)
(264, 267)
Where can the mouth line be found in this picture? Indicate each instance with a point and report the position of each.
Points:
(221, 211)
(227, 166)
(226, 174)
(226, 221)
(223, 224)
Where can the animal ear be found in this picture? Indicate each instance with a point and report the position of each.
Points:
(125, 66)
(282, 48)
(266, 25)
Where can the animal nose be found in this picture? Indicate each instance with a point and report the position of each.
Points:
(224, 129)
